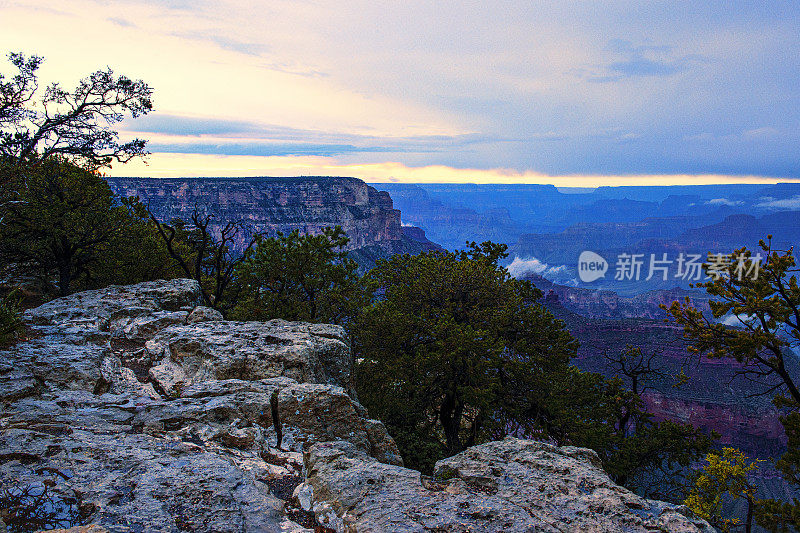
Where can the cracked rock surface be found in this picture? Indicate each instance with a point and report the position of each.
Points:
(136, 409)
(510, 485)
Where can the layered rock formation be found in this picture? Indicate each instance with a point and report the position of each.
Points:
(606, 304)
(714, 398)
(136, 409)
(268, 205)
(511, 485)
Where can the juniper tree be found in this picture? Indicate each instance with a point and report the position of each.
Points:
(300, 277)
(37, 123)
(762, 297)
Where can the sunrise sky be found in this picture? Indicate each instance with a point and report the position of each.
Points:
(570, 93)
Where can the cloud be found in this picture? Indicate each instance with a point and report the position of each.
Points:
(226, 43)
(520, 267)
(296, 70)
(724, 201)
(734, 320)
(264, 149)
(764, 132)
(119, 21)
(642, 61)
(181, 125)
(181, 5)
(178, 134)
(784, 203)
(177, 164)
(506, 75)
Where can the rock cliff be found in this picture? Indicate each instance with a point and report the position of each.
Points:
(268, 205)
(136, 409)
(714, 398)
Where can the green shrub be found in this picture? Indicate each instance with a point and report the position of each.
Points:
(10, 319)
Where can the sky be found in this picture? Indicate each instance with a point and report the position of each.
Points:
(570, 93)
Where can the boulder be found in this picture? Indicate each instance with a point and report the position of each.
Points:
(119, 406)
(510, 485)
(311, 353)
(204, 314)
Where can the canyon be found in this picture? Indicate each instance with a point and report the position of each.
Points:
(134, 408)
(271, 205)
(604, 321)
(710, 394)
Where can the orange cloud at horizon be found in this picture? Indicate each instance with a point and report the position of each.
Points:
(166, 165)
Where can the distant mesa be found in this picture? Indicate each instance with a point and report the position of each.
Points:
(282, 204)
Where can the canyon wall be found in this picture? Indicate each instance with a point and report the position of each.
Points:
(268, 205)
(713, 398)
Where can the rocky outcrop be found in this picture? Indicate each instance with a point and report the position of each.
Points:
(510, 485)
(607, 304)
(136, 409)
(313, 353)
(268, 205)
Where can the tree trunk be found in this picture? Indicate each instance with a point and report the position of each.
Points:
(64, 279)
(748, 524)
(450, 416)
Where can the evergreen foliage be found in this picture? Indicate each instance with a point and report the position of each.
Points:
(454, 352)
(63, 225)
(766, 307)
(10, 319)
(300, 277)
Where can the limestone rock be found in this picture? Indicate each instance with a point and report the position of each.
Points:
(204, 314)
(74, 337)
(127, 436)
(54, 361)
(573, 488)
(238, 414)
(118, 379)
(142, 328)
(314, 353)
(328, 413)
(15, 384)
(201, 462)
(381, 445)
(169, 378)
(98, 307)
(510, 485)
